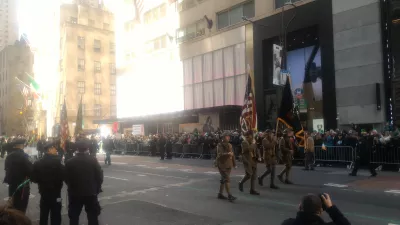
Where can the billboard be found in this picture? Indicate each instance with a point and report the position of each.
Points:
(138, 129)
(279, 76)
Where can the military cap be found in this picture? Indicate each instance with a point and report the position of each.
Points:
(287, 130)
(18, 141)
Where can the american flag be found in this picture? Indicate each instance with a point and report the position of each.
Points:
(64, 125)
(248, 119)
(139, 7)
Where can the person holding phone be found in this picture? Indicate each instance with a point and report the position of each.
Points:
(311, 208)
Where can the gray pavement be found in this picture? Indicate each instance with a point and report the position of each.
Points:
(144, 190)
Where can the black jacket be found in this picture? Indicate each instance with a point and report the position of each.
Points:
(18, 167)
(84, 175)
(49, 174)
(312, 219)
(94, 146)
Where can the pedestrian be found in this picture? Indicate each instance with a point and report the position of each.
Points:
(286, 147)
(40, 146)
(249, 157)
(18, 171)
(84, 178)
(309, 152)
(108, 146)
(311, 209)
(49, 174)
(69, 149)
(161, 142)
(168, 148)
(94, 146)
(269, 145)
(225, 161)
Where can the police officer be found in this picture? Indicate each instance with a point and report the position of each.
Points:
(108, 146)
(249, 157)
(225, 161)
(69, 149)
(48, 173)
(94, 146)
(40, 146)
(286, 147)
(84, 178)
(161, 142)
(18, 170)
(269, 144)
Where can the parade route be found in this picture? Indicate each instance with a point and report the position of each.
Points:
(145, 190)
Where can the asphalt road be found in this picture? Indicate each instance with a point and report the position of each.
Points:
(144, 190)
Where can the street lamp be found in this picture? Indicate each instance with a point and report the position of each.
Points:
(248, 20)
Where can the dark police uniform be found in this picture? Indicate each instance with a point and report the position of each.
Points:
(48, 173)
(18, 169)
(94, 147)
(161, 146)
(84, 178)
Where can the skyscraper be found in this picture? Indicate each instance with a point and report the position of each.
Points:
(8, 22)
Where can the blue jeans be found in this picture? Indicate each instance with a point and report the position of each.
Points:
(108, 158)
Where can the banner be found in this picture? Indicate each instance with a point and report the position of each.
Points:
(138, 129)
(278, 76)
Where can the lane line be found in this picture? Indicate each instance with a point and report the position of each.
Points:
(211, 172)
(336, 185)
(160, 168)
(186, 170)
(119, 163)
(116, 178)
(151, 174)
(142, 175)
(393, 191)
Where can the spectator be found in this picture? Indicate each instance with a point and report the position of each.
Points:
(310, 211)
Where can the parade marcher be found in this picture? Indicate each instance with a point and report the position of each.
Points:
(269, 144)
(49, 174)
(168, 148)
(309, 152)
(161, 145)
(69, 149)
(84, 178)
(108, 147)
(40, 146)
(18, 170)
(60, 150)
(225, 161)
(249, 156)
(94, 146)
(286, 147)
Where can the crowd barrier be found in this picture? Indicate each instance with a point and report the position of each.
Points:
(342, 154)
(385, 155)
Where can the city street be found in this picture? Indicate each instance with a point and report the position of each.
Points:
(145, 190)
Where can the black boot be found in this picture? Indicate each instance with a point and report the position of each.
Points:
(273, 186)
(260, 181)
(221, 196)
(241, 186)
(280, 178)
(288, 181)
(254, 192)
(231, 198)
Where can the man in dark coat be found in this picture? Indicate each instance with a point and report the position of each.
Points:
(49, 174)
(18, 170)
(84, 178)
(311, 209)
(40, 146)
(161, 145)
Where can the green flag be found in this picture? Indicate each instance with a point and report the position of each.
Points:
(79, 120)
(34, 84)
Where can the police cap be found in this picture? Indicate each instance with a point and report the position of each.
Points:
(18, 141)
(50, 144)
(81, 145)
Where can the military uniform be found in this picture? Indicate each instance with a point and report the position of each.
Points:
(286, 147)
(48, 173)
(249, 157)
(18, 170)
(225, 161)
(269, 160)
(84, 178)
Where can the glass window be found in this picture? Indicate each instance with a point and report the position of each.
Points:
(97, 109)
(112, 47)
(223, 20)
(97, 45)
(81, 64)
(280, 3)
(235, 15)
(113, 90)
(81, 87)
(112, 68)
(113, 110)
(248, 10)
(97, 88)
(73, 19)
(97, 66)
(81, 42)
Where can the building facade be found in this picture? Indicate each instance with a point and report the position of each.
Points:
(8, 23)
(16, 112)
(87, 63)
(335, 56)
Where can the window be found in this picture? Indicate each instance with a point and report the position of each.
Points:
(97, 88)
(97, 66)
(81, 87)
(235, 14)
(97, 45)
(156, 44)
(81, 42)
(112, 68)
(185, 4)
(113, 110)
(113, 90)
(112, 47)
(155, 14)
(192, 31)
(280, 3)
(97, 110)
(73, 20)
(106, 26)
(91, 22)
(81, 64)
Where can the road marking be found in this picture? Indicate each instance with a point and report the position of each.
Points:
(160, 168)
(142, 175)
(151, 174)
(393, 191)
(119, 163)
(211, 172)
(186, 170)
(116, 178)
(392, 224)
(336, 185)
(141, 165)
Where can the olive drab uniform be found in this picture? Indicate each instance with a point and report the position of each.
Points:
(249, 156)
(269, 147)
(225, 161)
(286, 147)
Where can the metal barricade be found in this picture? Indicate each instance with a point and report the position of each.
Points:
(177, 150)
(192, 150)
(343, 154)
(143, 148)
(131, 148)
(385, 155)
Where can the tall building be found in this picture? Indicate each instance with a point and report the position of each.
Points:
(87, 63)
(8, 22)
(16, 112)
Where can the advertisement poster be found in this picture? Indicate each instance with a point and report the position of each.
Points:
(209, 121)
(138, 129)
(278, 76)
(318, 125)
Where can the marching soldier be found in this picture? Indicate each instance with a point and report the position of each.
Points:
(286, 147)
(18, 170)
(84, 178)
(249, 153)
(48, 173)
(269, 144)
(225, 161)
